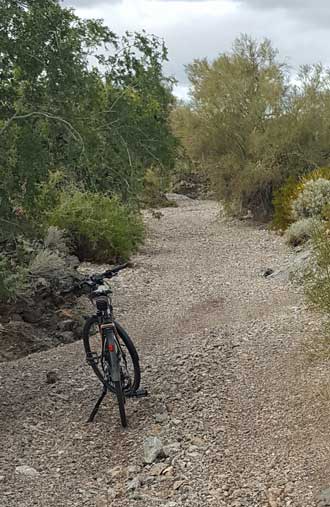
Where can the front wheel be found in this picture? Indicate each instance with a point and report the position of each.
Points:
(129, 363)
(121, 402)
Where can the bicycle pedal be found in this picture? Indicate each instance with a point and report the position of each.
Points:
(139, 393)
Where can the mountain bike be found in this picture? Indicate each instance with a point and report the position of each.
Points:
(109, 349)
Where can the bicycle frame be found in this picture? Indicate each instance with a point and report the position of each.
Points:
(111, 349)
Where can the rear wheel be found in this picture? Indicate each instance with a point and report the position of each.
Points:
(129, 361)
(121, 402)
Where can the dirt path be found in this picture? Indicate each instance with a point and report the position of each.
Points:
(231, 389)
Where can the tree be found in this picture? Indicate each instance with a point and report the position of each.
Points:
(76, 98)
(251, 126)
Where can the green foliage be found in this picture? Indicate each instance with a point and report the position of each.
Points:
(282, 202)
(101, 228)
(312, 199)
(81, 108)
(317, 274)
(13, 279)
(285, 196)
(251, 128)
(97, 126)
(301, 231)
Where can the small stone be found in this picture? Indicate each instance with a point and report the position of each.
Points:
(111, 493)
(157, 469)
(51, 377)
(177, 485)
(134, 484)
(26, 470)
(268, 272)
(66, 337)
(168, 471)
(324, 498)
(161, 418)
(153, 449)
(171, 449)
(197, 441)
(132, 471)
(66, 325)
(116, 472)
(177, 422)
(101, 501)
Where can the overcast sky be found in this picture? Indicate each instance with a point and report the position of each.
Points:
(300, 29)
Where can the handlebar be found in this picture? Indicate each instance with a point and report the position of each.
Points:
(110, 273)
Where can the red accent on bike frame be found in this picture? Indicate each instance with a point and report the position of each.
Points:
(111, 347)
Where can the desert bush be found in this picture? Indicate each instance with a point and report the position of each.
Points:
(101, 228)
(301, 231)
(317, 274)
(289, 192)
(282, 202)
(46, 264)
(311, 201)
(13, 279)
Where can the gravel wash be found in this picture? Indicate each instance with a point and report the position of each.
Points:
(240, 408)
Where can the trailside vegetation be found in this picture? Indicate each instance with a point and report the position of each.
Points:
(84, 114)
(251, 126)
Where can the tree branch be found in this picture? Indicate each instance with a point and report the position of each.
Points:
(75, 134)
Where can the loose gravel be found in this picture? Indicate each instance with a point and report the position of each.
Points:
(240, 412)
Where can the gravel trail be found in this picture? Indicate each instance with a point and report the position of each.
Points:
(243, 412)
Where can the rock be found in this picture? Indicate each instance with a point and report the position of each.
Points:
(171, 449)
(66, 337)
(268, 272)
(134, 484)
(177, 485)
(51, 377)
(116, 472)
(153, 449)
(27, 471)
(160, 418)
(66, 325)
(168, 471)
(324, 498)
(32, 315)
(132, 471)
(157, 469)
(176, 422)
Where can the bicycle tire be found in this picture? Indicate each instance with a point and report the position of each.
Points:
(125, 339)
(121, 403)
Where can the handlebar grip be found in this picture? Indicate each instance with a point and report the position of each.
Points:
(120, 267)
(113, 271)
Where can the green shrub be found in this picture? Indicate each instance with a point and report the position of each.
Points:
(101, 228)
(317, 274)
(284, 197)
(282, 202)
(13, 279)
(312, 199)
(301, 231)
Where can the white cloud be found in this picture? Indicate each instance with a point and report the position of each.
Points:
(198, 28)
